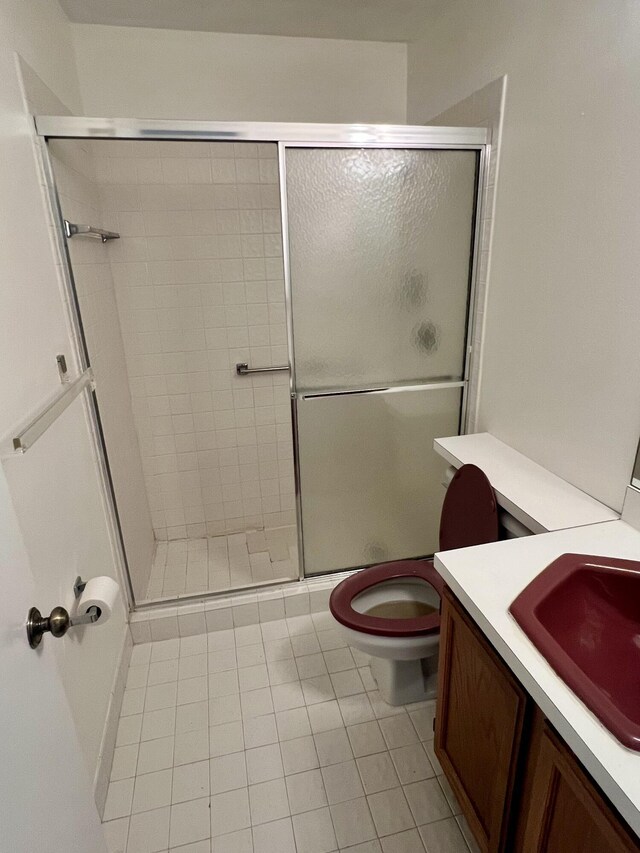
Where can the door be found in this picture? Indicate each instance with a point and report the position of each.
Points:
(45, 792)
(379, 248)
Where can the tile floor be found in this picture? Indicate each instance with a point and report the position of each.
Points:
(272, 738)
(187, 566)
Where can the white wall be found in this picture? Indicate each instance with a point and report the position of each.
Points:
(561, 366)
(54, 487)
(131, 71)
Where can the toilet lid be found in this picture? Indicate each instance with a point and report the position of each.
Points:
(347, 590)
(469, 512)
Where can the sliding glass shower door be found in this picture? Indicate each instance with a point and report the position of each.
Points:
(380, 249)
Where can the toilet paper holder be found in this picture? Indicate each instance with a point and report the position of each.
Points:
(58, 621)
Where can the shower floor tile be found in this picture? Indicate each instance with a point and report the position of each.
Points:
(275, 768)
(215, 564)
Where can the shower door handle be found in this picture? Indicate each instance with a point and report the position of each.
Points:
(243, 369)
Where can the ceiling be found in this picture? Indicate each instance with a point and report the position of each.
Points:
(366, 20)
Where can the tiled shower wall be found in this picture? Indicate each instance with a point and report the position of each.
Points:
(199, 284)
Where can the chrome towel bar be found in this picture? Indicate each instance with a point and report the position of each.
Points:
(72, 230)
(243, 369)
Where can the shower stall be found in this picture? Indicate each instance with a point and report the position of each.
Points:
(277, 320)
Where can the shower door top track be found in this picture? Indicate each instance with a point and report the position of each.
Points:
(293, 133)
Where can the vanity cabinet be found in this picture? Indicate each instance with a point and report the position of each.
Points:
(519, 786)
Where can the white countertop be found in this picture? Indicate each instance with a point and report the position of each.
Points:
(542, 501)
(486, 579)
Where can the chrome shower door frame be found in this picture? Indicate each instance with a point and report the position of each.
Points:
(285, 135)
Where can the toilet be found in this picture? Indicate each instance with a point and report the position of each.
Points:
(392, 611)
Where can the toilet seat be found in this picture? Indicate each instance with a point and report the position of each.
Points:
(340, 602)
(469, 517)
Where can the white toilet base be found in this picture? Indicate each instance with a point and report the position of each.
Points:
(401, 682)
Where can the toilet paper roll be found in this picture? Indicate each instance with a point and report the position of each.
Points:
(101, 592)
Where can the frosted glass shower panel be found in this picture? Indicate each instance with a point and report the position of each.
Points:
(371, 483)
(380, 247)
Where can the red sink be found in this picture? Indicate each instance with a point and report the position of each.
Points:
(583, 614)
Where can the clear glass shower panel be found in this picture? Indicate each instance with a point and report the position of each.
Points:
(380, 246)
(371, 483)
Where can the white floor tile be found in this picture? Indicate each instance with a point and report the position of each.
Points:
(356, 709)
(282, 671)
(274, 837)
(352, 822)
(306, 791)
(304, 645)
(190, 782)
(119, 797)
(253, 677)
(403, 842)
(115, 835)
(427, 802)
(260, 731)
(268, 801)
(230, 812)
(228, 773)
(443, 836)
(398, 731)
(314, 832)
(133, 701)
(311, 665)
(317, 689)
(264, 763)
(125, 760)
(332, 747)
(412, 764)
(190, 746)
(192, 717)
(224, 709)
(226, 739)
(377, 773)
(287, 696)
(160, 696)
(223, 683)
(256, 703)
(157, 724)
(390, 812)
(293, 724)
(149, 831)
(189, 822)
(271, 738)
(299, 755)
(339, 660)
(192, 690)
(325, 716)
(366, 738)
(250, 655)
(152, 791)
(347, 683)
(236, 842)
(342, 782)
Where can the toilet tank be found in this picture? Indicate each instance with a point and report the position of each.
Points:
(510, 527)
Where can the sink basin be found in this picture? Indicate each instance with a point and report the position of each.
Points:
(583, 614)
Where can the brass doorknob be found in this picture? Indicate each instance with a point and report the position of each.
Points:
(57, 622)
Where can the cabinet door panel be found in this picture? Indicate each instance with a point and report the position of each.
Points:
(566, 811)
(479, 724)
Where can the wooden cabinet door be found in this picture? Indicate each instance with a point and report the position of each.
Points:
(566, 812)
(479, 725)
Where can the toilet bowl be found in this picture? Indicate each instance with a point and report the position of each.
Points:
(392, 611)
